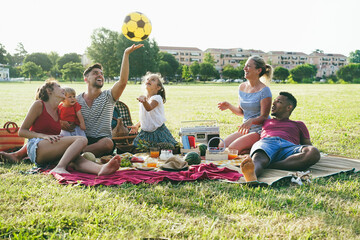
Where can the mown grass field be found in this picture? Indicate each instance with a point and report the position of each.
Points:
(36, 206)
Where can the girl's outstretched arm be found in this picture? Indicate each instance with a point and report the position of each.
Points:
(148, 105)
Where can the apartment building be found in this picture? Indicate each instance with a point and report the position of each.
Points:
(326, 63)
(231, 56)
(184, 55)
(284, 59)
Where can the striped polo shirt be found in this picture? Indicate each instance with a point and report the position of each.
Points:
(98, 117)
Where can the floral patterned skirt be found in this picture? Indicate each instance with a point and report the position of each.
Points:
(161, 134)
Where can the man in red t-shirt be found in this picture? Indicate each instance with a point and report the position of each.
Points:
(284, 144)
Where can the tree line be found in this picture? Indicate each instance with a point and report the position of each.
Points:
(107, 48)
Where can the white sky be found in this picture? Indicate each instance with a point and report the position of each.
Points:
(65, 26)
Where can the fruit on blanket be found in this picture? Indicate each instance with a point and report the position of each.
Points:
(165, 146)
(125, 162)
(192, 158)
(143, 146)
(89, 156)
(202, 147)
(135, 159)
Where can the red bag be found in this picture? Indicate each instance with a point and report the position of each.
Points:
(9, 139)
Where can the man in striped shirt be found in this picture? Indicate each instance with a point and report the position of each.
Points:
(97, 106)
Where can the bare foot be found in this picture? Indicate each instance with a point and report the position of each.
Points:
(112, 166)
(248, 169)
(59, 170)
(10, 157)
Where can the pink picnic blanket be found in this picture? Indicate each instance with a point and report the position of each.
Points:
(197, 172)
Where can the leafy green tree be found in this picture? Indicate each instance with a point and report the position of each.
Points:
(165, 69)
(67, 58)
(53, 56)
(3, 57)
(208, 58)
(305, 71)
(194, 68)
(179, 71)
(107, 47)
(104, 50)
(230, 72)
(169, 58)
(186, 73)
(54, 71)
(15, 72)
(281, 73)
(241, 72)
(355, 56)
(20, 55)
(349, 72)
(40, 59)
(240, 69)
(72, 70)
(142, 60)
(207, 70)
(30, 70)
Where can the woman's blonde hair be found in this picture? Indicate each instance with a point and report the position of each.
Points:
(161, 92)
(42, 93)
(266, 69)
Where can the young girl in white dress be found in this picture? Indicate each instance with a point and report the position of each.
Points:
(152, 113)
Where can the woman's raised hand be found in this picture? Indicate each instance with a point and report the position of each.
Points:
(223, 105)
(245, 127)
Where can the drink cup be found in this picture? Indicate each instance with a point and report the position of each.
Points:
(232, 153)
(154, 152)
(151, 163)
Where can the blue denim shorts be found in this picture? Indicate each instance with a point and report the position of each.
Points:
(276, 148)
(32, 146)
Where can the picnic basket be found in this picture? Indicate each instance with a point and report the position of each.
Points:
(123, 143)
(9, 138)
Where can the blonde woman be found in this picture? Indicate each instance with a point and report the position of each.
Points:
(254, 105)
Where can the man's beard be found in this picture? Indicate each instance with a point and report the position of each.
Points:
(97, 85)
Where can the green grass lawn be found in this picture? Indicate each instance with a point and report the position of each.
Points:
(36, 206)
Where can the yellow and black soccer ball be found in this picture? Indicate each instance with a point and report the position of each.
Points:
(136, 27)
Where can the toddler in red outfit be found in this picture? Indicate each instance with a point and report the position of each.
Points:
(70, 110)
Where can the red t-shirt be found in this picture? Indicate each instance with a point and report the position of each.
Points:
(69, 113)
(287, 129)
(46, 124)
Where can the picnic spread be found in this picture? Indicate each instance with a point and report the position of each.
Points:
(146, 169)
(222, 170)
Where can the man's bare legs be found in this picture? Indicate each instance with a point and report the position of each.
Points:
(103, 147)
(14, 157)
(248, 169)
(308, 156)
(252, 168)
